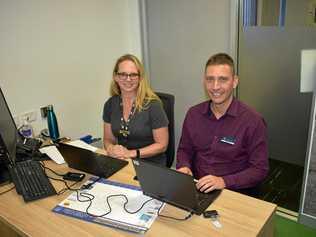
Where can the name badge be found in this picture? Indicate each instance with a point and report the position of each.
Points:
(229, 140)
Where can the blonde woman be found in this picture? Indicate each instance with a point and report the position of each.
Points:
(135, 124)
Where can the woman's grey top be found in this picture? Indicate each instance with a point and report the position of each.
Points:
(140, 126)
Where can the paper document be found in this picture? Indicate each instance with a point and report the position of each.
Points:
(82, 144)
(53, 153)
(139, 222)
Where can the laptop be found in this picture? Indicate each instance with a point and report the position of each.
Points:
(90, 162)
(172, 187)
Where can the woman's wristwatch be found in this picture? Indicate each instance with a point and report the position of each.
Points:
(137, 153)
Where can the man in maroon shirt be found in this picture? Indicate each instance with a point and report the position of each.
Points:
(223, 142)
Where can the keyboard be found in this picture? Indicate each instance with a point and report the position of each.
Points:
(31, 181)
(202, 197)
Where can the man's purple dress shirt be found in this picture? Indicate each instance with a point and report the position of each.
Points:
(233, 147)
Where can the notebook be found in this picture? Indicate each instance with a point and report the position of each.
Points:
(90, 162)
(172, 187)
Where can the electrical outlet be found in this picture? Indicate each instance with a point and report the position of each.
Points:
(29, 116)
(44, 111)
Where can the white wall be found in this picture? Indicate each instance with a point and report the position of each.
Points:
(62, 52)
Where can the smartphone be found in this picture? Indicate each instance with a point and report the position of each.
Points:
(74, 176)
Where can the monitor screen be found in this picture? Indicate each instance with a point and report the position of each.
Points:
(8, 130)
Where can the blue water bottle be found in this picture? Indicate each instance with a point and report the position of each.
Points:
(52, 123)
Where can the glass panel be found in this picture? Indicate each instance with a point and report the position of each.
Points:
(310, 189)
(268, 12)
(300, 13)
(250, 13)
(261, 12)
(269, 70)
(279, 13)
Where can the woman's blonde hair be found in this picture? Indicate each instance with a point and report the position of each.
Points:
(144, 93)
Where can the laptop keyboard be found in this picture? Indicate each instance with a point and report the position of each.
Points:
(108, 171)
(201, 196)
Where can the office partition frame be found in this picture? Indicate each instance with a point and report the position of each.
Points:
(307, 213)
(144, 35)
(235, 6)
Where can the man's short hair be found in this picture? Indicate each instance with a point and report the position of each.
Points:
(221, 59)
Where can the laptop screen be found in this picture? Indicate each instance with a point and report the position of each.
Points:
(166, 184)
(90, 162)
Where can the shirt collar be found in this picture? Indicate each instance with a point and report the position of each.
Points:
(232, 109)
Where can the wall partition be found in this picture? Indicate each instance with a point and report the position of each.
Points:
(178, 38)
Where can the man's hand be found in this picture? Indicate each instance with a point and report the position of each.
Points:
(185, 170)
(210, 182)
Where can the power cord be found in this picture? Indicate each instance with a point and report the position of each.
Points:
(90, 197)
(46, 168)
(63, 190)
(174, 218)
(126, 202)
(67, 188)
(89, 185)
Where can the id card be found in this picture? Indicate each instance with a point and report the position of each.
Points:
(229, 140)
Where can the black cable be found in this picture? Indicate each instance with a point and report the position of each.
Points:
(174, 218)
(54, 172)
(87, 186)
(126, 202)
(68, 187)
(8, 190)
(90, 197)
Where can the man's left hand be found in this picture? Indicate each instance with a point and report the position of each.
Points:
(210, 182)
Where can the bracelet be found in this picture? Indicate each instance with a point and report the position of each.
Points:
(137, 153)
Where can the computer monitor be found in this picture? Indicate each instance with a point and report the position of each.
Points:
(4, 161)
(8, 139)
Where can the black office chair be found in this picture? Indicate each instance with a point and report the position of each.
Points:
(168, 105)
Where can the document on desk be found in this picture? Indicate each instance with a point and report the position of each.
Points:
(82, 144)
(53, 153)
(139, 222)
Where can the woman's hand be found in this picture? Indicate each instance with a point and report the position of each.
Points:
(120, 152)
(116, 151)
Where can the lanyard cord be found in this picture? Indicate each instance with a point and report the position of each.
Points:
(124, 125)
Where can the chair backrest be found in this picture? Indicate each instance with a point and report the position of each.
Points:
(168, 105)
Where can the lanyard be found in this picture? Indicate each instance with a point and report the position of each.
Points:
(124, 125)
